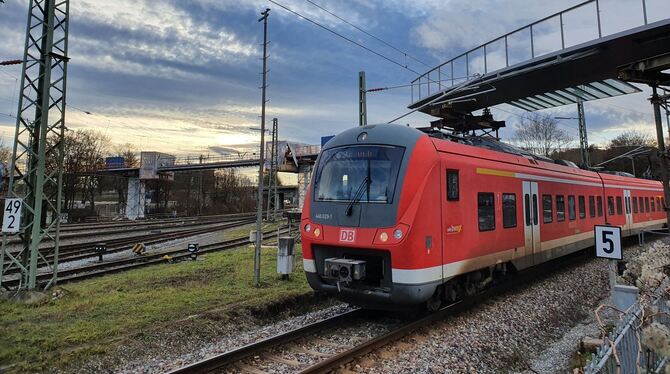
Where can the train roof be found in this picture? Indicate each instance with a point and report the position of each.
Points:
(492, 147)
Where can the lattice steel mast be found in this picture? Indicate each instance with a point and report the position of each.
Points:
(37, 160)
(272, 179)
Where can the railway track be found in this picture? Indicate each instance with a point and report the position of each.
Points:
(318, 347)
(116, 266)
(80, 251)
(145, 226)
(67, 228)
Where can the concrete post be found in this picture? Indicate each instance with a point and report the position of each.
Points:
(135, 199)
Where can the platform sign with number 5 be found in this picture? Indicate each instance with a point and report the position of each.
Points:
(608, 242)
(11, 221)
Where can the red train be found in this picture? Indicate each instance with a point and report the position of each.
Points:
(397, 217)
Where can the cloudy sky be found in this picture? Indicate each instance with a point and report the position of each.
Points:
(183, 77)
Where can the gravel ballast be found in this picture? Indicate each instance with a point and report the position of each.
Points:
(534, 328)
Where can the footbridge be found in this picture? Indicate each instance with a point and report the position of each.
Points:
(587, 52)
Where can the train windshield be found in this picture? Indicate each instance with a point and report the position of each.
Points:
(366, 172)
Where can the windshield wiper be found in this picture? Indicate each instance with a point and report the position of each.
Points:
(359, 194)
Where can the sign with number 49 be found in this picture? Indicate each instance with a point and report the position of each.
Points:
(11, 221)
(608, 242)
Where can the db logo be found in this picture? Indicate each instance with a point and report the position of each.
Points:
(347, 235)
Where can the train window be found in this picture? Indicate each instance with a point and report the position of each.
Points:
(509, 210)
(526, 204)
(662, 203)
(658, 204)
(619, 206)
(486, 211)
(610, 205)
(600, 206)
(547, 209)
(592, 206)
(582, 207)
(452, 185)
(653, 207)
(646, 204)
(641, 199)
(634, 204)
(560, 208)
(571, 208)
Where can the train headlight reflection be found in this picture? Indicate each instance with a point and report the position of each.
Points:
(397, 234)
(308, 227)
(383, 236)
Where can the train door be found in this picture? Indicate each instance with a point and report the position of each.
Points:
(628, 210)
(531, 214)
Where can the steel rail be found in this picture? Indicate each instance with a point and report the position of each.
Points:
(113, 224)
(518, 279)
(227, 358)
(104, 268)
(79, 251)
(337, 360)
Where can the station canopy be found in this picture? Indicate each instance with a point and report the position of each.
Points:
(572, 95)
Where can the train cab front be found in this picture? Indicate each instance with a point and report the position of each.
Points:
(351, 229)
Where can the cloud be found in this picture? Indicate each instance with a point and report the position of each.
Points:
(223, 150)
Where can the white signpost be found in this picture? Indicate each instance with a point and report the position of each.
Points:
(11, 220)
(608, 242)
(608, 245)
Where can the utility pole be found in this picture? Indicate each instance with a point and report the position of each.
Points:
(583, 140)
(656, 101)
(36, 166)
(259, 202)
(362, 105)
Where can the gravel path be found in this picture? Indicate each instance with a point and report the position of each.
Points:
(200, 336)
(505, 333)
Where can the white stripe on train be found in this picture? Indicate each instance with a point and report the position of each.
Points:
(436, 273)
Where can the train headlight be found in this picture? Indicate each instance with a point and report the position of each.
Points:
(308, 227)
(383, 237)
(397, 234)
(317, 232)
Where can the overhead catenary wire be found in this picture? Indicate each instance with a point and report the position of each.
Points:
(344, 37)
(367, 33)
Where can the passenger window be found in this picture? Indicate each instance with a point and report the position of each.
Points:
(592, 206)
(571, 208)
(646, 204)
(662, 203)
(610, 205)
(547, 209)
(600, 206)
(634, 204)
(486, 211)
(560, 208)
(653, 207)
(619, 206)
(582, 207)
(452, 185)
(641, 199)
(658, 204)
(509, 210)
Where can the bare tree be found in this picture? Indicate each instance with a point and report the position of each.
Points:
(632, 138)
(84, 155)
(539, 134)
(130, 159)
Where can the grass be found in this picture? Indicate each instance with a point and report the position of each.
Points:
(91, 315)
